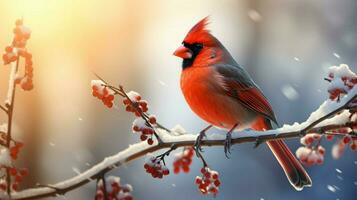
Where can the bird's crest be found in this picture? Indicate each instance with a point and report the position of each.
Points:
(199, 33)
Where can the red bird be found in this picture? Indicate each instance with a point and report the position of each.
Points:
(222, 93)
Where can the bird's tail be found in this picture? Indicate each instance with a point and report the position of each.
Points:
(294, 171)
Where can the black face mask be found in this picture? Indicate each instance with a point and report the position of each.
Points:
(195, 50)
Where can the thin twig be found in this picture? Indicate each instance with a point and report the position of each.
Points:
(199, 154)
(166, 153)
(105, 192)
(4, 109)
(10, 109)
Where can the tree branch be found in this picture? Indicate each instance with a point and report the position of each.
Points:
(327, 109)
(10, 108)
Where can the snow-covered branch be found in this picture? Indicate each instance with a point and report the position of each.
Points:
(331, 115)
(9, 146)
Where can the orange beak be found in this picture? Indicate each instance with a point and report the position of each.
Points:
(183, 52)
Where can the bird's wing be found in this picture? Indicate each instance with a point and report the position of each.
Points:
(238, 84)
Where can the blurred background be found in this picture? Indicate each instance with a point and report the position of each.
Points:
(286, 46)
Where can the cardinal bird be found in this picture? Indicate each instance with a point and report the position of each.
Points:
(223, 94)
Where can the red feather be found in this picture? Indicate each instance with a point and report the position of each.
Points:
(199, 33)
(252, 98)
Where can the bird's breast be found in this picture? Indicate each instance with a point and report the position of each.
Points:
(203, 90)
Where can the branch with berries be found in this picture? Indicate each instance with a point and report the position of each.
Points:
(9, 147)
(335, 119)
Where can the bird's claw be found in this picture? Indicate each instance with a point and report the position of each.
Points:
(197, 145)
(258, 142)
(228, 144)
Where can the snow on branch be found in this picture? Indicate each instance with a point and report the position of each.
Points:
(331, 115)
(12, 175)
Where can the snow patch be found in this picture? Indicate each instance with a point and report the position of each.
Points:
(5, 158)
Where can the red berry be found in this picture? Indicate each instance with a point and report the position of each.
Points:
(309, 140)
(215, 176)
(126, 102)
(99, 195)
(166, 172)
(346, 139)
(217, 183)
(321, 151)
(13, 171)
(207, 175)
(136, 128)
(24, 172)
(150, 141)
(329, 137)
(109, 105)
(3, 186)
(15, 186)
(18, 178)
(203, 170)
(8, 49)
(143, 137)
(186, 168)
(176, 170)
(152, 120)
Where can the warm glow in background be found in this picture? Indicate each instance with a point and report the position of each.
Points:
(283, 44)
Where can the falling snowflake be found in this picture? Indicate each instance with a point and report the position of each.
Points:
(331, 188)
(336, 55)
(289, 92)
(254, 15)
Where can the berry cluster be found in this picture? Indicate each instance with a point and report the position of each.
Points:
(339, 147)
(9, 55)
(312, 152)
(309, 156)
(342, 79)
(102, 92)
(22, 34)
(135, 104)
(209, 182)
(15, 149)
(17, 50)
(17, 175)
(183, 160)
(115, 191)
(26, 80)
(309, 139)
(154, 167)
(141, 126)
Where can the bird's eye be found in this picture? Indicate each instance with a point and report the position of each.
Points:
(198, 45)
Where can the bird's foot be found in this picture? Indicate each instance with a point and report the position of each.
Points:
(228, 141)
(228, 144)
(197, 145)
(258, 142)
